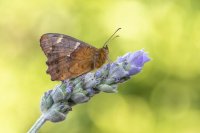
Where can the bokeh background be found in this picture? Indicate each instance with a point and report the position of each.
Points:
(163, 98)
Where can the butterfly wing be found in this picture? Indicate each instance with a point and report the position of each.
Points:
(67, 57)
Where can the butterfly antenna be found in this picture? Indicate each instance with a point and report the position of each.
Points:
(111, 37)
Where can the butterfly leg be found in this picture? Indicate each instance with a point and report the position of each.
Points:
(109, 60)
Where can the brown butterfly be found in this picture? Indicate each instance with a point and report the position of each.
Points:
(69, 57)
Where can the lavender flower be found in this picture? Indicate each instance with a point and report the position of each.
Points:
(56, 103)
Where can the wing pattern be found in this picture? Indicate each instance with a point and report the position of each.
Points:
(67, 57)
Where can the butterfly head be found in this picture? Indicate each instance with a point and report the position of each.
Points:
(105, 49)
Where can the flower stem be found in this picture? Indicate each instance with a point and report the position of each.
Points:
(37, 125)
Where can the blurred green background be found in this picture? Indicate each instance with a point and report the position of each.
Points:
(164, 98)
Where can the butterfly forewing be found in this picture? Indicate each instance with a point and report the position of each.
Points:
(67, 57)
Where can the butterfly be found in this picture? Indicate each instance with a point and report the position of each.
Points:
(68, 57)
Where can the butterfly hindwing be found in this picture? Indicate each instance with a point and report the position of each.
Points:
(67, 57)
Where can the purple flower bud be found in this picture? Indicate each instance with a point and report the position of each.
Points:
(138, 58)
(107, 88)
(47, 101)
(69, 89)
(90, 80)
(106, 67)
(136, 61)
(57, 94)
(98, 74)
(113, 65)
(46, 94)
(90, 91)
(123, 58)
(79, 98)
(134, 70)
(118, 72)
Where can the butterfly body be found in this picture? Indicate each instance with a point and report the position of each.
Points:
(69, 57)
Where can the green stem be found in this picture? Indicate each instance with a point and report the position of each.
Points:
(37, 125)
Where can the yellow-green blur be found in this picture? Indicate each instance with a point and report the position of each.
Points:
(163, 98)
